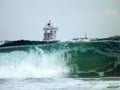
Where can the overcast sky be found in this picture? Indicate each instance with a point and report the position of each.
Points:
(25, 19)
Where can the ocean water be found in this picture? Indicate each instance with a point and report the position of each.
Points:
(61, 66)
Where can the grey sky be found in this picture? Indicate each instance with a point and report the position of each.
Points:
(25, 19)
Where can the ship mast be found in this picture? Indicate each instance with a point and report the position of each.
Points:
(86, 36)
(49, 32)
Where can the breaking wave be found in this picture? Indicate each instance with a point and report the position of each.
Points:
(65, 59)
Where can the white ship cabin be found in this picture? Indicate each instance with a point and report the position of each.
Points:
(49, 32)
(85, 38)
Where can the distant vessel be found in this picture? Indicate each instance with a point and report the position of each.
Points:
(85, 39)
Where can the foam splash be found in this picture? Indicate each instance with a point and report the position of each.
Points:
(33, 64)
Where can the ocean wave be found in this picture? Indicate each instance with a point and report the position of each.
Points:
(65, 59)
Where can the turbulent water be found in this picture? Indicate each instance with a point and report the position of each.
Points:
(61, 66)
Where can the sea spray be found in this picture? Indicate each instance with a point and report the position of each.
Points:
(34, 63)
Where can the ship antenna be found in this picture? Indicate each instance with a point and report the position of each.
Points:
(85, 35)
(49, 23)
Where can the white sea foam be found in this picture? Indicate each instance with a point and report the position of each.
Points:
(61, 84)
(33, 64)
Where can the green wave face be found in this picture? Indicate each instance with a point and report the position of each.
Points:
(65, 59)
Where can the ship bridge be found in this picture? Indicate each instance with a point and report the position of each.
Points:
(49, 32)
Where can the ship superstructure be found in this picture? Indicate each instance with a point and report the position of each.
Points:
(85, 38)
(49, 32)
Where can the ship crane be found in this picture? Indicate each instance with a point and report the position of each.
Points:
(49, 32)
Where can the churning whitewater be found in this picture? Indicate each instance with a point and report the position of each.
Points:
(34, 63)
